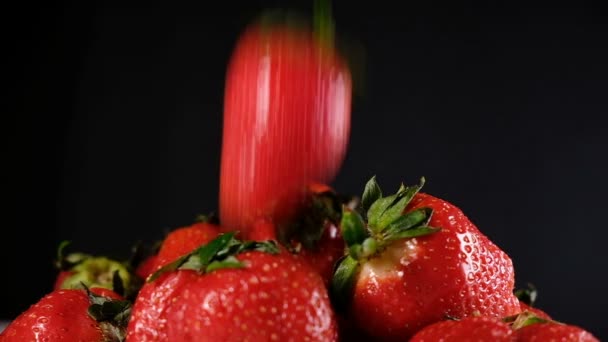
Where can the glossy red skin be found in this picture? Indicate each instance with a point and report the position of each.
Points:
(546, 332)
(59, 316)
(536, 311)
(471, 329)
(276, 297)
(184, 240)
(441, 276)
(287, 113)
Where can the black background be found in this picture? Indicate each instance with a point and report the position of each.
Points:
(116, 132)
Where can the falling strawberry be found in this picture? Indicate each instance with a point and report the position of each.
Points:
(78, 315)
(416, 260)
(287, 119)
(232, 290)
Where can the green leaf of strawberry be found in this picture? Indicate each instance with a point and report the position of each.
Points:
(386, 210)
(343, 280)
(371, 194)
(353, 227)
(217, 254)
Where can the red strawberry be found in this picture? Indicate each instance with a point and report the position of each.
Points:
(417, 261)
(76, 269)
(470, 329)
(554, 331)
(524, 327)
(313, 233)
(529, 327)
(184, 240)
(229, 290)
(322, 255)
(287, 113)
(72, 315)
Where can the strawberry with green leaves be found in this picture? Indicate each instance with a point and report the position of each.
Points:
(524, 327)
(78, 315)
(233, 290)
(184, 240)
(470, 329)
(554, 331)
(415, 259)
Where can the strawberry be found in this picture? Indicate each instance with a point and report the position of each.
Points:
(472, 329)
(233, 290)
(82, 315)
(184, 240)
(554, 331)
(313, 234)
(415, 259)
(524, 327)
(287, 109)
(78, 269)
(530, 327)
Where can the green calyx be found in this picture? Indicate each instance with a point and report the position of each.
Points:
(323, 23)
(112, 315)
(63, 261)
(220, 253)
(524, 319)
(99, 272)
(386, 220)
(374, 225)
(96, 271)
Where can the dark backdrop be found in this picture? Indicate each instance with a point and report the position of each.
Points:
(116, 132)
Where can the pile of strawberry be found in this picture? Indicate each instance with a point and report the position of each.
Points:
(299, 261)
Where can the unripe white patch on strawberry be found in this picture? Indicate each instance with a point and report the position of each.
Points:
(400, 252)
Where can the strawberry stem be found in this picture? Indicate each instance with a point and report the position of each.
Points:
(323, 22)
